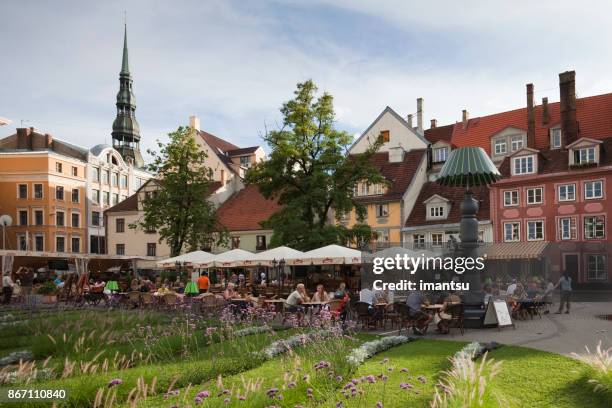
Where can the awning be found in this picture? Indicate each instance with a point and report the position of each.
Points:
(228, 259)
(187, 259)
(267, 258)
(329, 255)
(515, 250)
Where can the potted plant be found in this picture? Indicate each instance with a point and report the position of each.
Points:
(49, 292)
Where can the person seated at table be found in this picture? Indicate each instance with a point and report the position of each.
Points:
(59, 282)
(532, 290)
(320, 295)
(341, 291)
(415, 300)
(443, 318)
(145, 285)
(203, 283)
(241, 280)
(230, 292)
(382, 296)
(135, 285)
(297, 297)
(181, 287)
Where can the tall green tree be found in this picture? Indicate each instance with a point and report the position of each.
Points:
(178, 208)
(310, 173)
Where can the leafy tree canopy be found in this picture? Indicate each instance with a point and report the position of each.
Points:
(311, 174)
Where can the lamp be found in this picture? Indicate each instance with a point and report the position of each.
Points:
(469, 167)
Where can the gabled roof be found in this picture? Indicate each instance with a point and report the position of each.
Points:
(440, 133)
(38, 142)
(216, 142)
(594, 115)
(224, 149)
(399, 175)
(418, 215)
(242, 151)
(246, 210)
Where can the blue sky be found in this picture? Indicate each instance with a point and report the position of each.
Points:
(233, 63)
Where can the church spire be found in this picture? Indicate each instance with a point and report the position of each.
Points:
(126, 131)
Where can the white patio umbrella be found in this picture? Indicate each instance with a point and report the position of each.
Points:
(188, 259)
(329, 255)
(226, 259)
(267, 258)
(412, 253)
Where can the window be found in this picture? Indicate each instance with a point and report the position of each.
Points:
(437, 239)
(382, 210)
(593, 189)
(58, 167)
(151, 249)
(115, 198)
(75, 195)
(76, 220)
(511, 198)
(512, 231)
(535, 230)
(377, 189)
(75, 171)
(385, 135)
(567, 228)
(382, 236)
(75, 244)
(22, 243)
(534, 195)
(364, 189)
(115, 179)
(418, 240)
(555, 138)
(523, 164)
(59, 193)
(596, 267)
(245, 161)
(567, 192)
(120, 249)
(436, 212)
(95, 174)
(39, 243)
(60, 244)
(260, 244)
(95, 196)
(105, 176)
(120, 225)
(38, 217)
(516, 143)
(594, 227)
(23, 217)
(235, 242)
(500, 147)
(22, 191)
(95, 218)
(105, 197)
(584, 156)
(38, 191)
(440, 154)
(59, 219)
(124, 181)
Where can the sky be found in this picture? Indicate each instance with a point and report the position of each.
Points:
(233, 63)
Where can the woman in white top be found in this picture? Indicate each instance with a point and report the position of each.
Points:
(320, 295)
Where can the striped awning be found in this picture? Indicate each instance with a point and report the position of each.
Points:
(515, 250)
(467, 167)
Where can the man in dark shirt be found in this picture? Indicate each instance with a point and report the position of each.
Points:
(416, 299)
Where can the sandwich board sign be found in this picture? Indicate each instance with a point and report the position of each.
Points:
(497, 314)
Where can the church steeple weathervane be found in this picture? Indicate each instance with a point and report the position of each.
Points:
(126, 131)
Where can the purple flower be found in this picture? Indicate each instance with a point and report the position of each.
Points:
(404, 370)
(242, 398)
(197, 400)
(116, 381)
(422, 379)
(379, 404)
(292, 384)
(203, 394)
(272, 392)
(338, 378)
(227, 400)
(405, 386)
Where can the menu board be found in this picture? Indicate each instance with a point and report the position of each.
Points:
(498, 314)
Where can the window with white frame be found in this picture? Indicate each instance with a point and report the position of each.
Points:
(534, 195)
(38, 191)
(60, 218)
(567, 228)
(500, 147)
(593, 189)
(523, 165)
(377, 189)
(75, 244)
(364, 189)
(516, 143)
(382, 210)
(39, 242)
(418, 240)
(555, 138)
(245, 161)
(60, 243)
(535, 230)
(95, 174)
(584, 155)
(594, 227)
(437, 239)
(22, 191)
(440, 154)
(382, 236)
(511, 198)
(437, 211)
(596, 267)
(567, 192)
(512, 231)
(22, 242)
(95, 196)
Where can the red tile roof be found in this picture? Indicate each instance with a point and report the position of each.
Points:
(246, 210)
(440, 133)
(216, 142)
(242, 151)
(418, 215)
(594, 115)
(399, 174)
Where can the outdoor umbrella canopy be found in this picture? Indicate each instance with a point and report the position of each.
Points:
(227, 259)
(328, 255)
(267, 258)
(189, 259)
(467, 167)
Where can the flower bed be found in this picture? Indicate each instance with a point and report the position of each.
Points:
(367, 350)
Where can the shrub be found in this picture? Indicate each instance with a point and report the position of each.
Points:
(367, 350)
(599, 371)
(47, 288)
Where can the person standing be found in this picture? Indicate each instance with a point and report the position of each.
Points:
(565, 282)
(7, 289)
(203, 283)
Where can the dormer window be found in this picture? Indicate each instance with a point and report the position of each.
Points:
(440, 154)
(555, 138)
(516, 143)
(436, 212)
(584, 155)
(437, 207)
(501, 147)
(523, 165)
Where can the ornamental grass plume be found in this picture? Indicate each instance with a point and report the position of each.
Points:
(599, 371)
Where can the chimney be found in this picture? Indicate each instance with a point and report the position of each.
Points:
(24, 138)
(194, 122)
(434, 124)
(464, 118)
(420, 115)
(409, 120)
(567, 93)
(530, 117)
(545, 112)
(48, 140)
